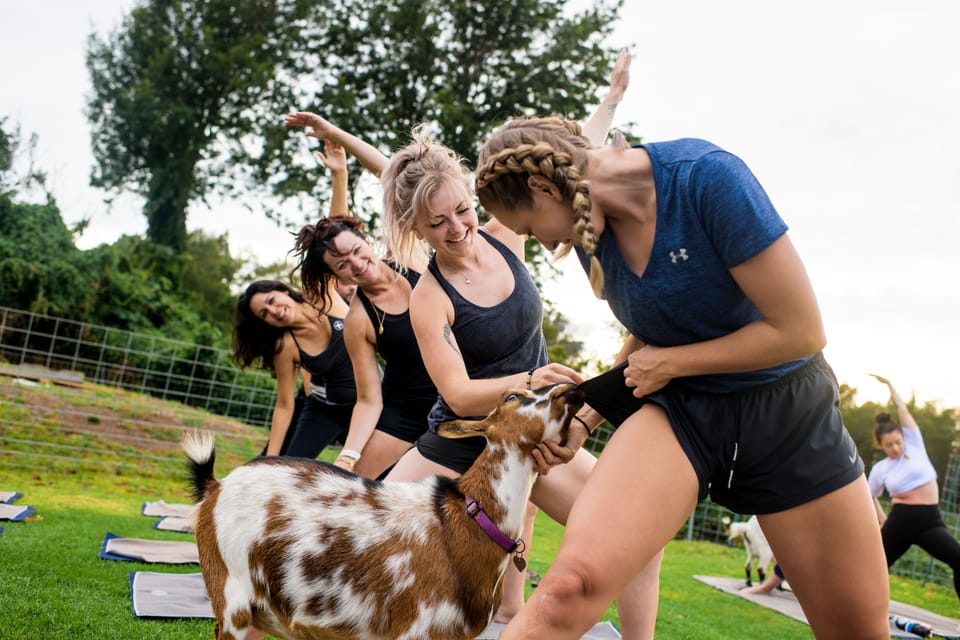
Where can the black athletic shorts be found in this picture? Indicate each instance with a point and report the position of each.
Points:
(405, 420)
(453, 453)
(763, 450)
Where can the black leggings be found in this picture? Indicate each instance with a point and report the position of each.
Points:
(922, 525)
(318, 425)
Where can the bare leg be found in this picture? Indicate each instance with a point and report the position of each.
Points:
(381, 451)
(413, 466)
(830, 550)
(514, 581)
(610, 538)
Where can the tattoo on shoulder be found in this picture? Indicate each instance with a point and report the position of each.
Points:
(448, 336)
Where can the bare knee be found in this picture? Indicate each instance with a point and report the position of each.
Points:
(564, 593)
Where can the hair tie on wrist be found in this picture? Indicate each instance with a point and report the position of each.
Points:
(530, 377)
(581, 421)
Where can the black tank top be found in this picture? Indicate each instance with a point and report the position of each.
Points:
(330, 370)
(496, 341)
(405, 378)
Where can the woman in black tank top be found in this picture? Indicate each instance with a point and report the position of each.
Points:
(280, 329)
(390, 412)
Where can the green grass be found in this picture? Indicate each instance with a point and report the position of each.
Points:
(54, 585)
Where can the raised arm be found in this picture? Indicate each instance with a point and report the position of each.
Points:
(319, 128)
(903, 414)
(596, 128)
(335, 159)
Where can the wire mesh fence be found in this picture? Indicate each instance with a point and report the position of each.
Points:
(206, 378)
(193, 374)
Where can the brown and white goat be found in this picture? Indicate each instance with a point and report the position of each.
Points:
(301, 549)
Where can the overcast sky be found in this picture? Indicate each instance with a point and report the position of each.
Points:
(847, 111)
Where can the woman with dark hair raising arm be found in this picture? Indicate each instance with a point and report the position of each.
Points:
(909, 477)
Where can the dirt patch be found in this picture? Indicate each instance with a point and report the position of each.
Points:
(116, 415)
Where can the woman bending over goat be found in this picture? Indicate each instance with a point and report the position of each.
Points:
(909, 477)
(723, 375)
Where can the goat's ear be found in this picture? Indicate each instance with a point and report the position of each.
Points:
(462, 428)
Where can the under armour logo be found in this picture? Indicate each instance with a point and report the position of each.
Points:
(678, 256)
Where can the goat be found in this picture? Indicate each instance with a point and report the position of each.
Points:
(304, 550)
(754, 542)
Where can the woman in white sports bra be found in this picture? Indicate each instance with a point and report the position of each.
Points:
(910, 479)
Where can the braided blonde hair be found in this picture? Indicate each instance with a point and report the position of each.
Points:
(412, 176)
(554, 148)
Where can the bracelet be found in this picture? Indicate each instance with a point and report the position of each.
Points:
(583, 422)
(349, 463)
(350, 453)
(530, 377)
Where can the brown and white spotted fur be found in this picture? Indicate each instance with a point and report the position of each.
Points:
(301, 549)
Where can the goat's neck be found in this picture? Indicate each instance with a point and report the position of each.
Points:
(501, 480)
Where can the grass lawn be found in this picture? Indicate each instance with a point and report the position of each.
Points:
(54, 585)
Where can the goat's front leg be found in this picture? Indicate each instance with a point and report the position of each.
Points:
(747, 571)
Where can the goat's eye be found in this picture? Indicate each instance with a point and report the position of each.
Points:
(512, 396)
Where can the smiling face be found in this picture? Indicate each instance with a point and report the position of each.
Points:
(892, 444)
(449, 224)
(275, 308)
(351, 259)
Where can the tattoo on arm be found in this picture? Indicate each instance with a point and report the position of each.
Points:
(448, 336)
(613, 107)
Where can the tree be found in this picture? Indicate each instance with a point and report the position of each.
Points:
(13, 154)
(177, 78)
(461, 67)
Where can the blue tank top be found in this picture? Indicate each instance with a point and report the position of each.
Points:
(331, 372)
(405, 378)
(712, 215)
(496, 341)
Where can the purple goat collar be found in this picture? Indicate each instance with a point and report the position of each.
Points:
(475, 511)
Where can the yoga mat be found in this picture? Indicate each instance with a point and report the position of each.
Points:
(174, 523)
(161, 508)
(600, 631)
(169, 595)
(784, 602)
(15, 512)
(10, 496)
(156, 551)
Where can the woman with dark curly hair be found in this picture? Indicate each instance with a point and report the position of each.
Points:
(280, 330)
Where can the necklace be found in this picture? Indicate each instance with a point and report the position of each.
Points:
(382, 315)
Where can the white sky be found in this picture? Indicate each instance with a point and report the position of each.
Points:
(848, 111)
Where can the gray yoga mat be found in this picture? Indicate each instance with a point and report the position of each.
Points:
(786, 603)
(169, 595)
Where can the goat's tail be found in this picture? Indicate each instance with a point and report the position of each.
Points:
(736, 530)
(200, 457)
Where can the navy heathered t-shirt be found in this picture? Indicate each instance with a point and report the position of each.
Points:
(712, 215)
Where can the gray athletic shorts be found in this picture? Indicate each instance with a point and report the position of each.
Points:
(766, 449)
